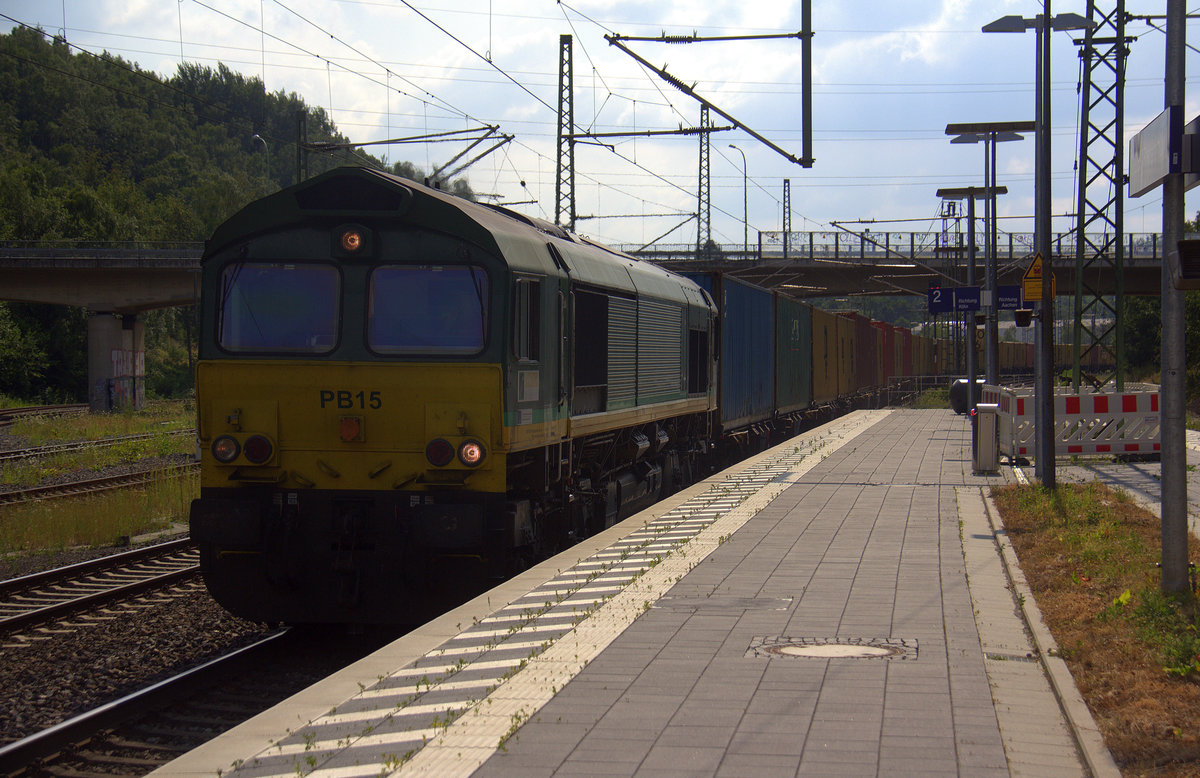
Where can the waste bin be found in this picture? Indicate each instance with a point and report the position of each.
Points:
(986, 458)
(958, 394)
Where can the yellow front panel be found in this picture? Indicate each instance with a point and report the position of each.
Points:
(351, 425)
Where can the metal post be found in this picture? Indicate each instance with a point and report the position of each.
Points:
(787, 219)
(992, 327)
(1045, 377)
(564, 177)
(704, 221)
(1174, 453)
(969, 316)
(745, 204)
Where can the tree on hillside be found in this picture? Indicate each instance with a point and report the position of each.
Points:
(92, 148)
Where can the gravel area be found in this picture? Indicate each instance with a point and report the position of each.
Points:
(51, 674)
(56, 676)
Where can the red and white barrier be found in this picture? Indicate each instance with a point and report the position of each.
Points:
(1115, 423)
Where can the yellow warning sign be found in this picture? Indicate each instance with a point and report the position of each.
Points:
(1031, 282)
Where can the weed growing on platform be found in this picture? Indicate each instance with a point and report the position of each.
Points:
(1089, 555)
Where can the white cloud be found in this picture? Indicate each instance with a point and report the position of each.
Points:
(889, 76)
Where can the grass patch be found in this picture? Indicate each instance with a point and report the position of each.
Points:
(101, 519)
(1090, 554)
(931, 399)
(31, 472)
(157, 416)
(97, 520)
(7, 402)
(161, 417)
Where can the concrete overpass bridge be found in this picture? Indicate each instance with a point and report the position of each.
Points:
(117, 281)
(840, 264)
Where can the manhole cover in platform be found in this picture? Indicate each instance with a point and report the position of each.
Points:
(832, 648)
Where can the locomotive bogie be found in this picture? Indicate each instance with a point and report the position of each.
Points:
(318, 555)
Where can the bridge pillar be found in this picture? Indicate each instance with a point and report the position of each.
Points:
(116, 362)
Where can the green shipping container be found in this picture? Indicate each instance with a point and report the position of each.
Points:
(793, 355)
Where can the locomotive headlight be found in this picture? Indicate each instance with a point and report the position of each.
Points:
(471, 453)
(225, 449)
(439, 452)
(352, 240)
(258, 449)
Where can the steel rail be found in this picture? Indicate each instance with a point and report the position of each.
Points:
(77, 488)
(82, 445)
(90, 566)
(44, 613)
(9, 415)
(21, 753)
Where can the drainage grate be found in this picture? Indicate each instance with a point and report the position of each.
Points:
(832, 648)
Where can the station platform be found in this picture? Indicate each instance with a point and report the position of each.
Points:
(842, 604)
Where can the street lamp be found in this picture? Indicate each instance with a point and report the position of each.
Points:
(971, 193)
(745, 206)
(1044, 379)
(990, 133)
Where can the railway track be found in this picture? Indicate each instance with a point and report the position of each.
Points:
(54, 594)
(138, 733)
(9, 415)
(88, 744)
(78, 488)
(38, 452)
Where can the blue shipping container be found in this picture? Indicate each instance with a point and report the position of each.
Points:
(746, 362)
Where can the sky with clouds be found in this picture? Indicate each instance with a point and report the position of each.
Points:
(888, 77)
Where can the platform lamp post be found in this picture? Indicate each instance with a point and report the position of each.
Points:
(990, 133)
(745, 205)
(1044, 372)
(971, 194)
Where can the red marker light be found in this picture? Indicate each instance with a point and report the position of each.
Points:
(258, 449)
(439, 452)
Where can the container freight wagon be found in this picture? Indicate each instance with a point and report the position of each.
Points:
(946, 360)
(924, 356)
(793, 355)
(888, 363)
(846, 380)
(826, 365)
(746, 356)
(907, 353)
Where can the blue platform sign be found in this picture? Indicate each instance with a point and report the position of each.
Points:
(966, 298)
(940, 300)
(1008, 297)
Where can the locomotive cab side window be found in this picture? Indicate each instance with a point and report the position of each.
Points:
(527, 319)
(427, 309)
(698, 353)
(278, 307)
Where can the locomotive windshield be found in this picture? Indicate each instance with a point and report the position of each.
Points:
(276, 307)
(428, 309)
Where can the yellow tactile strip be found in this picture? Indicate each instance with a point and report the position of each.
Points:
(449, 711)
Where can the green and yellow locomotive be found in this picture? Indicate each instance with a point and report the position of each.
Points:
(404, 396)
